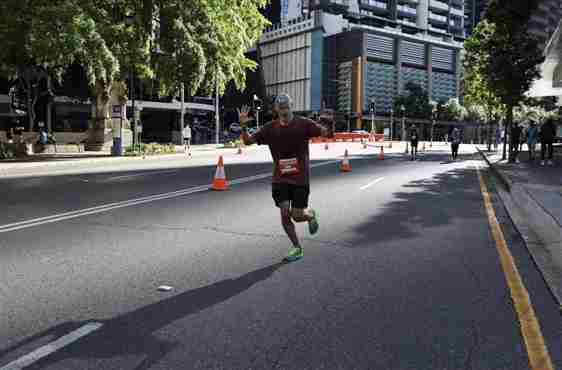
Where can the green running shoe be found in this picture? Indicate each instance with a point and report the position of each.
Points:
(313, 224)
(294, 254)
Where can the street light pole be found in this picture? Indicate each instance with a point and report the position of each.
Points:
(217, 120)
(373, 112)
(182, 114)
(391, 124)
(433, 112)
(403, 109)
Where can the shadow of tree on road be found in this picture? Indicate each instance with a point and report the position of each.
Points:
(422, 205)
(133, 333)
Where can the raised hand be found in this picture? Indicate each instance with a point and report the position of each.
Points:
(243, 115)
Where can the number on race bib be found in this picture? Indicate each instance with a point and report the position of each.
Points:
(289, 166)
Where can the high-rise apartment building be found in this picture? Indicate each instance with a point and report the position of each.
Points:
(542, 24)
(343, 54)
(474, 13)
(544, 21)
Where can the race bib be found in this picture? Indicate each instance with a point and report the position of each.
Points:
(289, 166)
(414, 137)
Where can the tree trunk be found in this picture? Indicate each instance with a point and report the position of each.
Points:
(489, 123)
(106, 95)
(509, 120)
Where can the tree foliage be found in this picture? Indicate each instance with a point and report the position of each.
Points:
(502, 58)
(415, 101)
(203, 41)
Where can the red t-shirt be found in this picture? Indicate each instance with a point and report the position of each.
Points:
(289, 144)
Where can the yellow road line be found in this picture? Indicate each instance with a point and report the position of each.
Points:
(539, 359)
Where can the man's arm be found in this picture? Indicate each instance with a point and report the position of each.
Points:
(244, 119)
(325, 128)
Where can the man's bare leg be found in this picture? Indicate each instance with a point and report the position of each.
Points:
(288, 225)
(301, 215)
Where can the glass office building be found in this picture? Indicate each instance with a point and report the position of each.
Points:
(343, 54)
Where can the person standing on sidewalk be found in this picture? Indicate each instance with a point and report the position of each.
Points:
(288, 140)
(547, 134)
(515, 141)
(455, 142)
(187, 139)
(498, 138)
(414, 139)
(532, 134)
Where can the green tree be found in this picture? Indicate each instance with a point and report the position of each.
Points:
(508, 56)
(202, 42)
(416, 101)
(477, 92)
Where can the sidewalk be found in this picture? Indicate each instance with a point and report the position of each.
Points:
(42, 161)
(534, 202)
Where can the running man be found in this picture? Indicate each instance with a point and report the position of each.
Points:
(187, 139)
(414, 139)
(288, 140)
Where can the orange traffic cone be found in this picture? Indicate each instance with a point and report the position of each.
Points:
(345, 166)
(381, 154)
(220, 183)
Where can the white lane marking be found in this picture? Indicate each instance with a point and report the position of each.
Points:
(52, 347)
(127, 203)
(140, 174)
(371, 183)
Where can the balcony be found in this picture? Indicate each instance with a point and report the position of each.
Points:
(438, 18)
(375, 4)
(438, 30)
(439, 5)
(407, 22)
(457, 12)
(407, 11)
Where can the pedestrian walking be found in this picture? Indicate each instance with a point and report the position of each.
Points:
(455, 143)
(497, 138)
(547, 134)
(414, 140)
(187, 139)
(522, 138)
(515, 141)
(532, 134)
(288, 140)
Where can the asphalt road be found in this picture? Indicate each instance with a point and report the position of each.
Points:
(403, 274)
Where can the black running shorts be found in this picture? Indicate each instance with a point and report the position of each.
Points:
(414, 143)
(297, 195)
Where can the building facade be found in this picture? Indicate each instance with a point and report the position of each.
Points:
(544, 21)
(345, 54)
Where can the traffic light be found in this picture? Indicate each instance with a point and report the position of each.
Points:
(372, 106)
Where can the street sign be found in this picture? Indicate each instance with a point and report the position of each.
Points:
(116, 111)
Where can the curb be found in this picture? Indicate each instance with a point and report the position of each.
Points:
(74, 162)
(506, 182)
(538, 229)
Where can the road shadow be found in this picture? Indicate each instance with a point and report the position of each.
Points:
(422, 205)
(133, 333)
